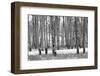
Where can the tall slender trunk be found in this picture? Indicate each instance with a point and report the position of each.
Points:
(46, 39)
(29, 36)
(39, 47)
(49, 32)
(58, 22)
(37, 33)
(76, 32)
(84, 35)
(41, 35)
(62, 34)
(53, 35)
(66, 31)
(33, 42)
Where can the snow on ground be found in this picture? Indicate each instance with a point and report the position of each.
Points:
(58, 56)
(63, 51)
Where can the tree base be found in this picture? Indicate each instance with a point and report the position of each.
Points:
(39, 52)
(83, 50)
(77, 50)
(54, 53)
(46, 51)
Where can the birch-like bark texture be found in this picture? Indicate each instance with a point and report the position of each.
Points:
(57, 33)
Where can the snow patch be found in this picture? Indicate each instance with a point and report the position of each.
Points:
(64, 51)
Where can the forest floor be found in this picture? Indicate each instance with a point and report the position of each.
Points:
(61, 54)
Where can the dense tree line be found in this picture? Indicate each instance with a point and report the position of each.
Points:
(57, 32)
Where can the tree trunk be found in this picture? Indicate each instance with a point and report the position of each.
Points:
(84, 24)
(76, 32)
(29, 35)
(53, 35)
(46, 39)
(58, 22)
